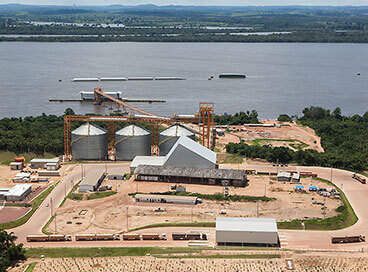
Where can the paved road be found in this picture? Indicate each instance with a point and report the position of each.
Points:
(356, 192)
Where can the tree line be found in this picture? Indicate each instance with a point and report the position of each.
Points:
(344, 139)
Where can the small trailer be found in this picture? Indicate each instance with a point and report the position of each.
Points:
(131, 237)
(348, 239)
(189, 236)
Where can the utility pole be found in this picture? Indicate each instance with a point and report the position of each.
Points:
(55, 224)
(331, 174)
(265, 191)
(127, 222)
(257, 208)
(192, 214)
(64, 190)
(51, 209)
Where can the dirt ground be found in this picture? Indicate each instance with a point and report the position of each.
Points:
(302, 261)
(110, 214)
(291, 131)
(8, 214)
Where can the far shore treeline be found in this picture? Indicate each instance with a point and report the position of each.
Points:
(344, 138)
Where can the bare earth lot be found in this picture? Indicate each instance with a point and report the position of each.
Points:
(307, 262)
(110, 214)
(290, 132)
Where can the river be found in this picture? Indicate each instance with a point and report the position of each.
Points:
(281, 77)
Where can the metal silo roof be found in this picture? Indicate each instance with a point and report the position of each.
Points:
(89, 129)
(177, 130)
(133, 130)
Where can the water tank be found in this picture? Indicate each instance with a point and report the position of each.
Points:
(169, 136)
(132, 141)
(89, 142)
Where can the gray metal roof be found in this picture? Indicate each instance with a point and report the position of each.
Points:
(177, 130)
(133, 130)
(152, 170)
(246, 224)
(45, 161)
(282, 174)
(194, 147)
(89, 129)
(92, 177)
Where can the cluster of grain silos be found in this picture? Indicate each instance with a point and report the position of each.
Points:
(132, 141)
(89, 142)
(169, 136)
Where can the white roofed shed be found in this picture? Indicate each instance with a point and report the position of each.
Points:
(239, 231)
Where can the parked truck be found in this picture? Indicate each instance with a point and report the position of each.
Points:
(49, 238)
(131, 237)
(153, 236)
(189, 236)
(96, 237)
(348, 239)
(359, 178)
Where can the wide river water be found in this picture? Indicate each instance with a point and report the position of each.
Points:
(281, 77)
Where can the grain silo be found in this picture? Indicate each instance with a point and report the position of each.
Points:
(169, 136)
(132, 141)
(89, 142)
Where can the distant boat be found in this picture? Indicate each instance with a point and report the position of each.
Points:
(231, 75)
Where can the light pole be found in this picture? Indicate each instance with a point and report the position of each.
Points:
(51, 209)
(55, 224)
(127, 222)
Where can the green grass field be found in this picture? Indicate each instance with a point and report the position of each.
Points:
(161, 252)
(98, 195)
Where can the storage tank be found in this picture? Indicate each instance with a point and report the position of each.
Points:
(89, 142)
(169, 136)
(132, 141)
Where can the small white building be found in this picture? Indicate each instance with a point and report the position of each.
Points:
(42, 163)
(283, 176)
(22, 177)
(16, 193)
(187, 200)
(296, 177)
(16, 166)
(92, 180)
(239, 231)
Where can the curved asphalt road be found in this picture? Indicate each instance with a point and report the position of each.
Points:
(356, 193)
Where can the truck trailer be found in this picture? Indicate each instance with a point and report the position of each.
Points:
(348, 239)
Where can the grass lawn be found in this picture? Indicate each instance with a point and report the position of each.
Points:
(141, 251)
(216, 197)
(296, 144)
(100, 195)
(31, 267)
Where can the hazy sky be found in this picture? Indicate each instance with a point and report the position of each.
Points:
(192, 2)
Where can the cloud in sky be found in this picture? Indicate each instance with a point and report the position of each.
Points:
(192, 2)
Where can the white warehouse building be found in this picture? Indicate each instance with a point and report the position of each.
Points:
(239, 231)
(184, 153)
(16, 193)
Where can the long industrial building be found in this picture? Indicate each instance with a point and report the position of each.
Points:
(239, 231)
(45, 163)
(185, 153)
(186, 200)
(205, 176)
(92, 180)
(17, 193)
